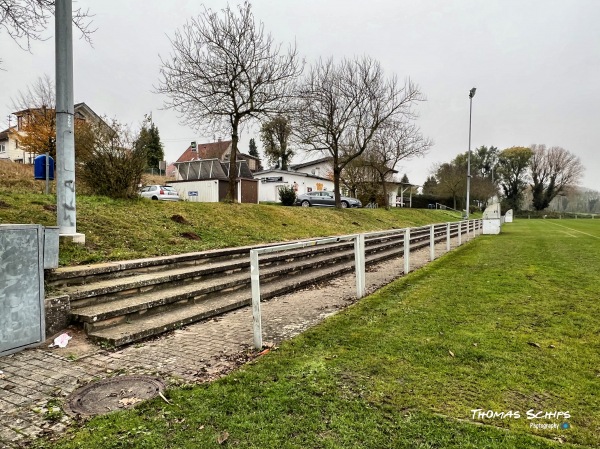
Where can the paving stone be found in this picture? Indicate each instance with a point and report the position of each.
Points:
(197, 353)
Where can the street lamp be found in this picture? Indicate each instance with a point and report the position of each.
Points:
(471, 95)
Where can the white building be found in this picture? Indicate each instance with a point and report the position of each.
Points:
(270, 181)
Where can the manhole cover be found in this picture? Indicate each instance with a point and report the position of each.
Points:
(116, 393)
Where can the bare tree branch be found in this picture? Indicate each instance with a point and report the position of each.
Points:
(26, 20)
(224, 70)
(341, 107)
(552, 171)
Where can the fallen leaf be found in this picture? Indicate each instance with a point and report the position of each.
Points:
(534, 344)
(263, 352)
(451, 353)
(475, 344)
(223, 437)
(129, 401)
(552, 346)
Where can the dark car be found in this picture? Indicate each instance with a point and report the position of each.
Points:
(325, 199)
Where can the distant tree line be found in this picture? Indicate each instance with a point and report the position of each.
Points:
(522, 177)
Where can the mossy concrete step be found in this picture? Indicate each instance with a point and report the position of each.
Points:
(147, 326)
(116, 288)
(129, 332)
(95, 315)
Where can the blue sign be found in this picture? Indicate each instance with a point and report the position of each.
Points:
(193, 193)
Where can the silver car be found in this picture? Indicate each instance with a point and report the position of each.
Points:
(326, 199)
(158, 192)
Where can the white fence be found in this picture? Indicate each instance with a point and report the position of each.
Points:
(437, 233)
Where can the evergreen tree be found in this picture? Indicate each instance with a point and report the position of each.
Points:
(253, 150)
(149, 141)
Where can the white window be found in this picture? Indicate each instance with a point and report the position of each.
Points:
(2, 148)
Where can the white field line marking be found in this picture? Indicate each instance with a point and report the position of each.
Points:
(576, 230)
(569, 234)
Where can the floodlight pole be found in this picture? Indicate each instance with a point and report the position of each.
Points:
(65, 137)
(471, 95)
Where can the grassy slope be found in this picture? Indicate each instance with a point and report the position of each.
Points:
(127, 229)
(518, 312)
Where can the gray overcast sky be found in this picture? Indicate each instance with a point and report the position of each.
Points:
(535, 63)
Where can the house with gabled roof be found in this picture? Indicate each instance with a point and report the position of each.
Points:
(202, 174)
(9, 138)
(221, 151)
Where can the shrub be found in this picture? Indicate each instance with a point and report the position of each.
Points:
(114, 167)
(287, 195)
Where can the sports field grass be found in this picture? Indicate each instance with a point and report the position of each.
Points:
(505, 323)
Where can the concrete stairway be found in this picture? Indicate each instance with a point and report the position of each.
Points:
(124, 302)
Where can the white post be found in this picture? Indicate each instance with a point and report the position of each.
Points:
(459, 234)
(432, 242)
(406, 251)
(447, 236)
(359, 259)
(255, 283)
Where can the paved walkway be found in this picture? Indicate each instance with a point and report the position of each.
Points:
(34, 383)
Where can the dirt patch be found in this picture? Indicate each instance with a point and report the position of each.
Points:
(179, 219)
(4, 205)
(190, 236)
(50, 207)
(78, 347)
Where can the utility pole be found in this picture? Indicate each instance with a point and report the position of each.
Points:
(65, 126)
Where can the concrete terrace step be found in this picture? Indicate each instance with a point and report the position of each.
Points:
(129, 332)
(98, 312)
(109, 289)
(93, 273)
(123, 302)
(146, 326)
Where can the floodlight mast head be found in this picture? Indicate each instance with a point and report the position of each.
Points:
(472, 92)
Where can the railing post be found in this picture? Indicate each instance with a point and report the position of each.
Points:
(406, 251)
(359, 260)
(447, 236)
(432, 243)
(255, 283)
(459, 234)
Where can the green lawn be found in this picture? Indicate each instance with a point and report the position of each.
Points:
(129, 229)
(504, 323)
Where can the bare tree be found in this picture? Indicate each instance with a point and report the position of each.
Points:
(394, 142)
(26, 20)
(552, 170)
(37, 132)
(224, 70)
(341, 107)
(275, 134)
(38, 95)
(451, 182)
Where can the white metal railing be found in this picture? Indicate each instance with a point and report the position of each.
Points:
(475, 226)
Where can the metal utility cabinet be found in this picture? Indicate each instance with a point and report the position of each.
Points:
(22, 321)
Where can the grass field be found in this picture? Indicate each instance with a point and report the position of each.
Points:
(504, 323)
(129, 229)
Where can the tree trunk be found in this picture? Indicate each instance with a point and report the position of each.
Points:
(386, 203)
(336, 183)
(231, 196)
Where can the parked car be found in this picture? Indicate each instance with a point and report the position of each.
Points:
(158, 192)
(326, 199)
